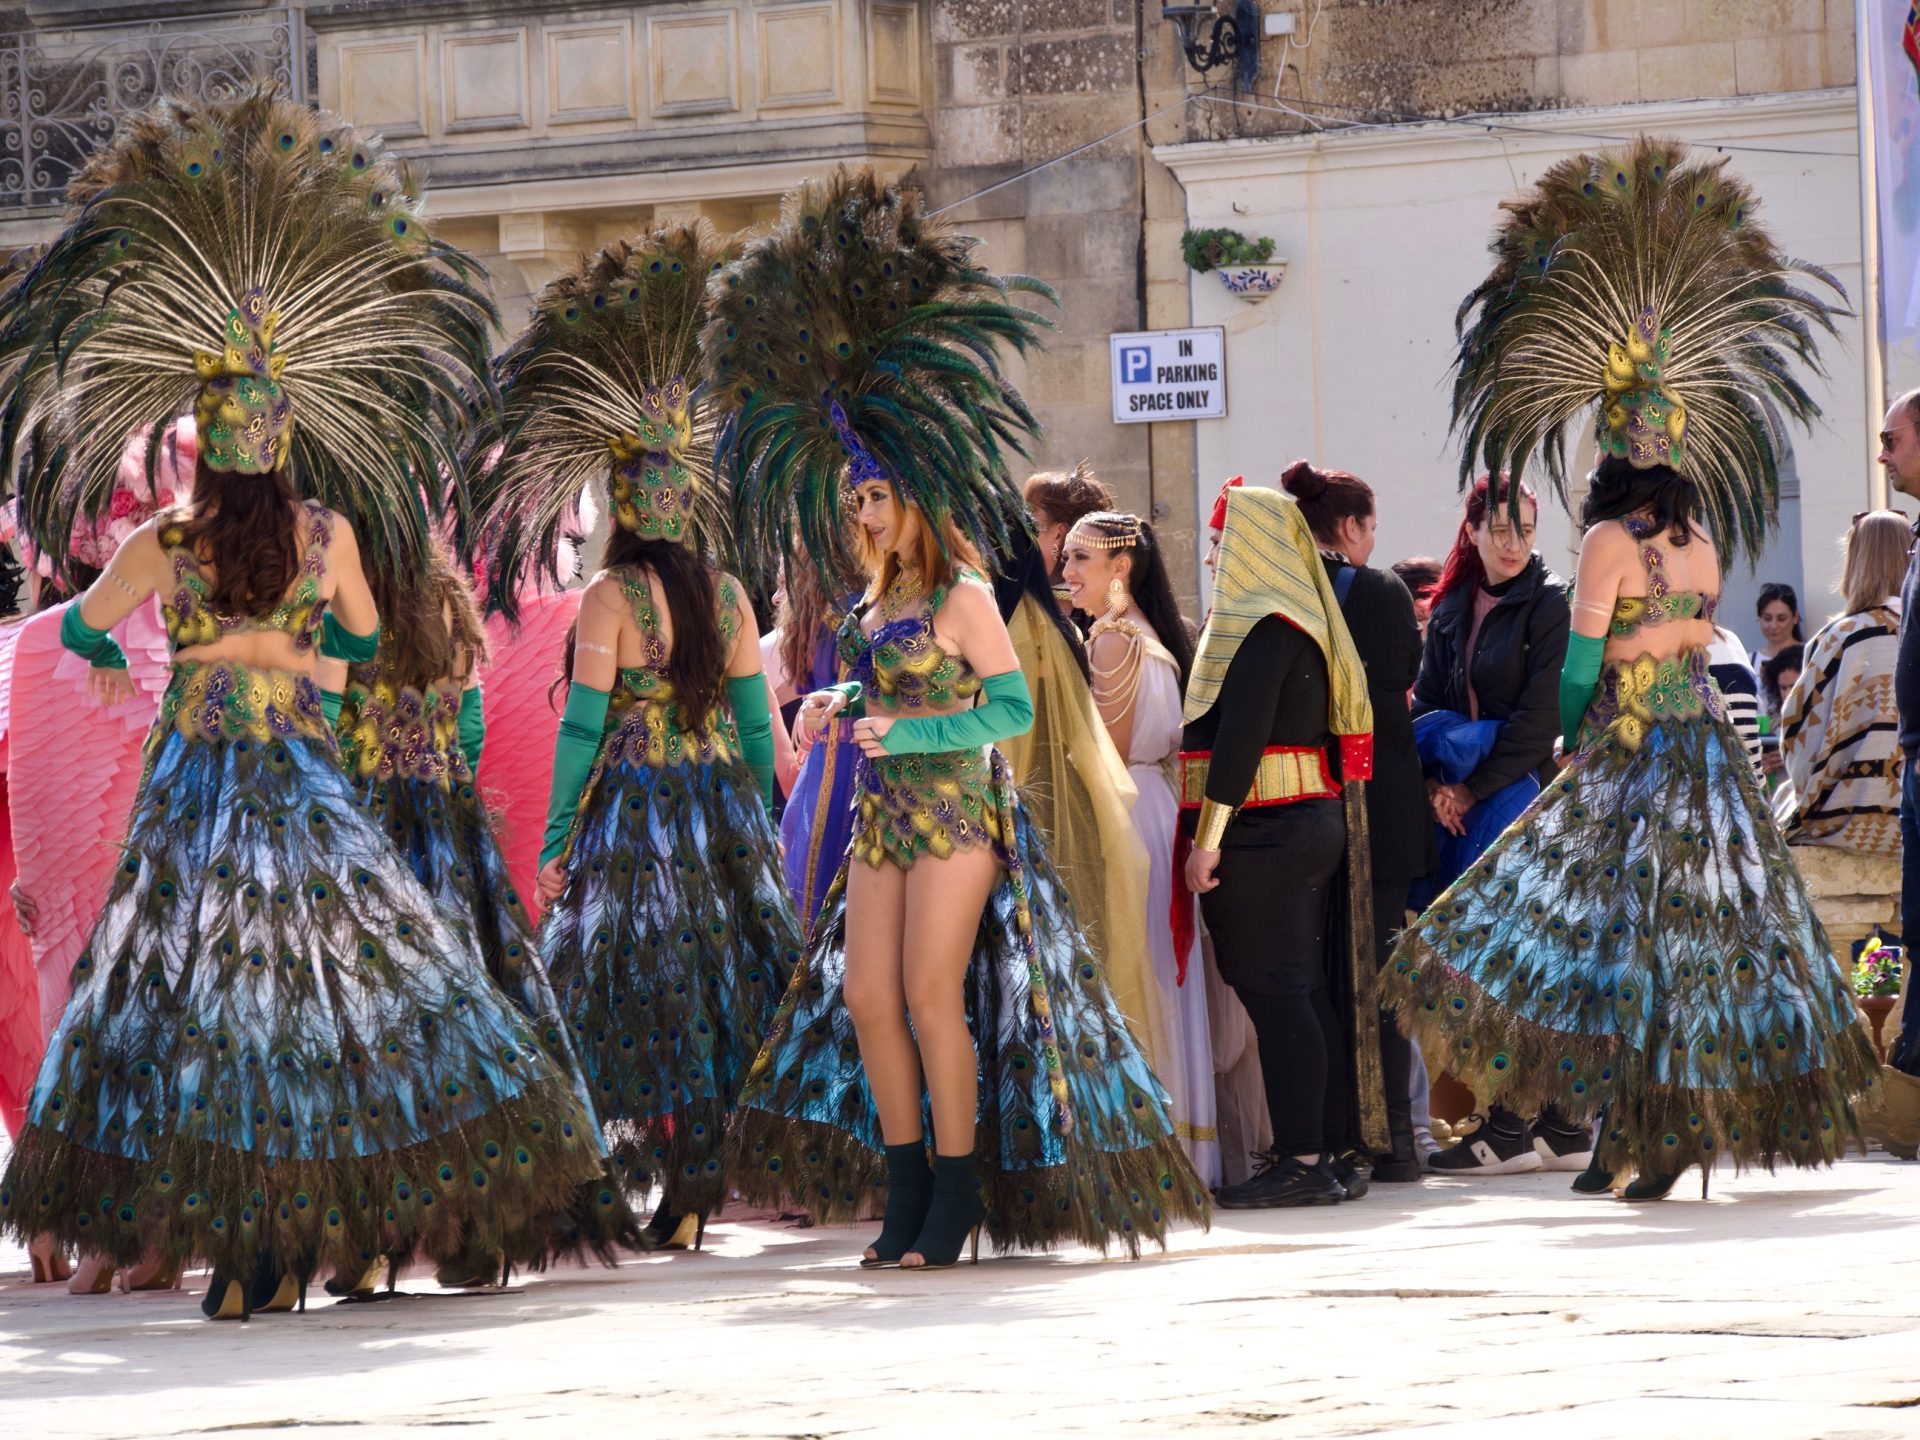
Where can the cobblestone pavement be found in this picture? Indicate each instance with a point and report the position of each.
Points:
(1786, 1306)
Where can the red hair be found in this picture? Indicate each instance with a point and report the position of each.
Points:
(1463, 565)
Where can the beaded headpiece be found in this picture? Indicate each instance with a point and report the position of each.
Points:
(603, 388)
(1105, 530)
(1639, 280)
(244, 418)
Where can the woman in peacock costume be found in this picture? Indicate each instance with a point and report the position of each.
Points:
(1640, 939)
(855, 350)
(277, 1054)
(671, 933)
(411, 726)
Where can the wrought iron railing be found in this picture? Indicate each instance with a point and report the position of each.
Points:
(63, 92)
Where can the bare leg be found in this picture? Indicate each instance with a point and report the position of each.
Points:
(877, 1000)
(944, 901)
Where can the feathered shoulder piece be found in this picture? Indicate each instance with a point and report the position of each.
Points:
(1640, 282)
(603, 388)
(861, 339)
(265, 268)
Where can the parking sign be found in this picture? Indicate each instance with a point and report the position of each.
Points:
(1169, 375)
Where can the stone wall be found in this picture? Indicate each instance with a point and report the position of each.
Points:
(1853, 894)
(1018, 82)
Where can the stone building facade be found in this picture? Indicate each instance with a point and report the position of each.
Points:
(1072, 136)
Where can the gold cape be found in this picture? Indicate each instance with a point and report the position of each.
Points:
(1079, 793)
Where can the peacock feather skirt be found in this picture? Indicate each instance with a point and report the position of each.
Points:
(669, 949)
(1075, 1143)
(438, 824)
(276, 1043)
(1640, 938)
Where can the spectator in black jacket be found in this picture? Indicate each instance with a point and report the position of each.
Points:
(1379, 614)
(1495, 642)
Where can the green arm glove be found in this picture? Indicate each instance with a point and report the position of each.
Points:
(339, 643)
(473, 727)
(1578, 675)
(96, 647)
(575, 749)
(856, 706)
(1008, 712)
(330, 703)
(753, 719)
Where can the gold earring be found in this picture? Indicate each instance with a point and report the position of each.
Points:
(1117, 597)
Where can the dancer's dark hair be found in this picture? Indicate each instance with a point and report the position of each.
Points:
(430, 628)
(697, 663)
(1618, 488)
(243, 526)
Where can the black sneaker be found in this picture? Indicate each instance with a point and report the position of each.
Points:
(1498, 1146)
(1277, 1181)
(1560, 1144)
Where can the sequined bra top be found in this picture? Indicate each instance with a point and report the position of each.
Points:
(645, 723)
(1661, 605)
(901, 666)
(188, 608)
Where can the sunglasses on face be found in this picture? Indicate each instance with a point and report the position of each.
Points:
(1886, 436)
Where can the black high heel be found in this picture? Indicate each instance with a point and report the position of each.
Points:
(1596, 1179)
(1657, 1187)
(226, 1299)
(909, 1194)
(955, 1214)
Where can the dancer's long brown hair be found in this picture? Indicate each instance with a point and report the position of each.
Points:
(430, 629)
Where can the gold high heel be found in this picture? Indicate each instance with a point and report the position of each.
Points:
(152, 1273)
(49, 1261)
(94, 1277)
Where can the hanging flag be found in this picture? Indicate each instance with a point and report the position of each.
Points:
(1893, 50)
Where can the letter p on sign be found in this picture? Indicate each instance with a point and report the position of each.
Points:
(1136, 364)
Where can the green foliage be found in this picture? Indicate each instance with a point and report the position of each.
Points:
(1206, 250)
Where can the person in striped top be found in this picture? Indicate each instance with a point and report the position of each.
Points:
(1839, 725)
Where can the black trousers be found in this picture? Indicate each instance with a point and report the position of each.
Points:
(1269, 918)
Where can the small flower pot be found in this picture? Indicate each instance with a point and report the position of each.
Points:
(1875, 1009)
(1252, 283)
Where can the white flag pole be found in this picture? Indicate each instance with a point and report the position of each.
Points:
(1874, 332)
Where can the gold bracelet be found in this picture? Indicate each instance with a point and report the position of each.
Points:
(1214, 818)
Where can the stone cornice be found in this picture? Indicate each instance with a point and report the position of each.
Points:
(411, 14)
(657, 166)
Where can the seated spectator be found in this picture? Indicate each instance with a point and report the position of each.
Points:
(1839, 730)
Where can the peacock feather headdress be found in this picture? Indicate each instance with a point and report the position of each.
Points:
(1640, 282)
(263, 267)
(861, 339)
(603, 387)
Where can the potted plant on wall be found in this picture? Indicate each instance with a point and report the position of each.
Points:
(1246, 267)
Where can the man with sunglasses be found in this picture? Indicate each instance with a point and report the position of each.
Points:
(1900, 455)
